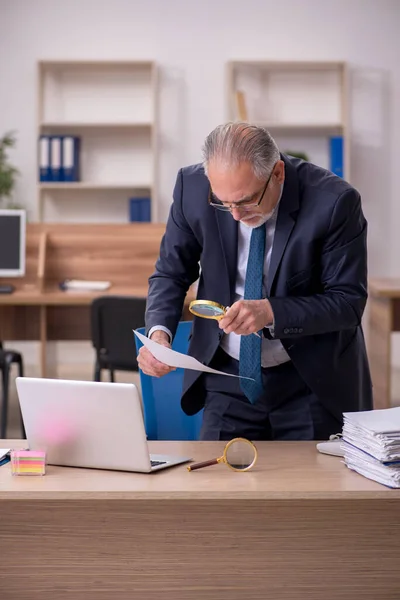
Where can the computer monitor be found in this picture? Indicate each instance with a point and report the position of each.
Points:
(12, 243)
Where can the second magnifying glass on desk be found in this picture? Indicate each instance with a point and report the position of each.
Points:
(207, 309)
(239, 454)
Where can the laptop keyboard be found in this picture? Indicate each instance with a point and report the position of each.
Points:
(156, 463)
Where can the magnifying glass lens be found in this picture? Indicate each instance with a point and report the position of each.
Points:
(240, 455)
(207, 310)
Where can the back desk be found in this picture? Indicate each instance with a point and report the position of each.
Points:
(299, 526)
(124, 254)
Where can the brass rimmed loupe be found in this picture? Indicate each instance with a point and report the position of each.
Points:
(239, 454)
(207, 309)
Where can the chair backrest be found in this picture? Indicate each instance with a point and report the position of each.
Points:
(112, 320)
(163, 415)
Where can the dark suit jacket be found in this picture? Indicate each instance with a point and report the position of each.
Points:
(317, 282)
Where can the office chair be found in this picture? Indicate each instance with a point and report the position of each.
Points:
(7, 359)
(163, 416)
(112, 320)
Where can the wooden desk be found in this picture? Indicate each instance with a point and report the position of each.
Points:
(299, 526)
(123, 254)
(384, 319)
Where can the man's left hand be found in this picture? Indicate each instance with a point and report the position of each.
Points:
(247, 316)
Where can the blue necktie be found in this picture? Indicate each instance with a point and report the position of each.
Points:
(250, 345)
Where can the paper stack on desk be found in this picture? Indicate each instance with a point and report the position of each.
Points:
(373, 444)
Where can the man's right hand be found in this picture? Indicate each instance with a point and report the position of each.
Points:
(148, 363)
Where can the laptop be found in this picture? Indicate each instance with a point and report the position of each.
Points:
(88, 424)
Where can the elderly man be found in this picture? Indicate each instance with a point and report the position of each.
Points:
(282, 242)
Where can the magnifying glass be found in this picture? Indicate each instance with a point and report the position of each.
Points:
(239, 454)
(207, 309)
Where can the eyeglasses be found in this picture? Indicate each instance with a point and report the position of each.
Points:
(245, 205)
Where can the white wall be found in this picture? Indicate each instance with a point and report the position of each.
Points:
(192, 41)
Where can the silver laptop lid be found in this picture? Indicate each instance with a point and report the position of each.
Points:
(85, 423)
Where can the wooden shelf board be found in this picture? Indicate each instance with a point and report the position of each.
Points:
(95, 63)
(289, 65)
(306, 128)
(95, 125)
(81, 185)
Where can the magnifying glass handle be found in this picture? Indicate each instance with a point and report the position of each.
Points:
(200, 465)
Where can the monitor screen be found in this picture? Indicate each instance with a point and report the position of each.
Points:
(12, 243)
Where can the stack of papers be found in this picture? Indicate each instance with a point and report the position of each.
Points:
(83, 285)
(372, 445)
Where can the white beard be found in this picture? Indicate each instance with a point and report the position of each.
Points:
(260, 221)
(264, 218)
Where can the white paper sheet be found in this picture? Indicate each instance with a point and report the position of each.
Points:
(176, 359)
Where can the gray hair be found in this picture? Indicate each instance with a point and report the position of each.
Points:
(233, 143)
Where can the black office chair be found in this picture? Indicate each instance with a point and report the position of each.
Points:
(112, 320)
(7, 359)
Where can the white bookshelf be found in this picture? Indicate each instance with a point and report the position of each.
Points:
(112, 107)
(302, 104)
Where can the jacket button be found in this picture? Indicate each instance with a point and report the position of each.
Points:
(291, 330)
(295, 330)
(300, 330)
(286, 331)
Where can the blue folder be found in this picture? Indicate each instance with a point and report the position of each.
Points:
(56, 158)
(70, 158)
(140, 209)
(336, 155)
(44, 158)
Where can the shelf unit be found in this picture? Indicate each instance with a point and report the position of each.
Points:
(112, 107)
(302, 104)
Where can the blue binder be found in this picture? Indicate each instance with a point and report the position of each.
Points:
(70, 158)
(44, 158)
(139, 209)
(336, 155)
(145, 209)
(56, 158)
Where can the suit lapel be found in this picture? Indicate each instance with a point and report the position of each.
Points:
(287, 213)
(228, 233)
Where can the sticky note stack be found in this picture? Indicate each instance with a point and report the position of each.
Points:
(28, 462)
